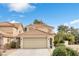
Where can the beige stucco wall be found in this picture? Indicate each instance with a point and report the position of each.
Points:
(48, 37)
(4, 40)
(33, 33)
(11, 30)
(74, 47)
(7, 40)
(20, 29)
(15, 32)
(21, 42)
(6, 29)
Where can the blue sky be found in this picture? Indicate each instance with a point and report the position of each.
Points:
(53, 14)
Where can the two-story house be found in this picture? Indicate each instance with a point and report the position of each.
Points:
(37, 36)
(9, 32)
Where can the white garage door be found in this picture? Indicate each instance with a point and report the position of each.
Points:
(34, 43)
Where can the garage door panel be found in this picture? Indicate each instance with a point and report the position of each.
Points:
(34, 43)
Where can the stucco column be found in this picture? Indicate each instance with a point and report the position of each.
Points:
(53, 41)
(48, 42)
(21, 43)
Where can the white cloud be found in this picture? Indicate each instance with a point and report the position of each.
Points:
(66, 24)
(20, 7)
(13, 21)
(55, 30)
(74, 22)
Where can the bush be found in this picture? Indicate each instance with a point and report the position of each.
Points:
(64, 51)
(71, 52)
(55, 42)
(62, 41)
(13, 44)
(59, 44)
(60, 51)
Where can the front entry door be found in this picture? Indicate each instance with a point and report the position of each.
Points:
(50, 42)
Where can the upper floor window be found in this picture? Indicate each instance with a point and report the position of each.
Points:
(25, 29)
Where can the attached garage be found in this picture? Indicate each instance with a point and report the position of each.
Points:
(34, 39)
(34, 42)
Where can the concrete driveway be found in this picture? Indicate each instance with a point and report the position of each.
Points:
(30, 52)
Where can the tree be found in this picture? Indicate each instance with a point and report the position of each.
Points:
(61, 35)
(59, 38)
(77, 39)
(70, 37)
(75, 32)
(36, 21)
(63, 28)
(64, 33)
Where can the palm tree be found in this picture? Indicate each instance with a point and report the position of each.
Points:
(36, 21)
(63, 28)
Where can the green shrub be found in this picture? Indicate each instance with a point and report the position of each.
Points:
(60, 51)
(71, 52)
(59, 44)
(62, 41)
(13, 44)
(64, 51)
(55, 42)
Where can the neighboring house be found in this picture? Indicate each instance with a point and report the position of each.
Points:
(9, 32)
(37, 36)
